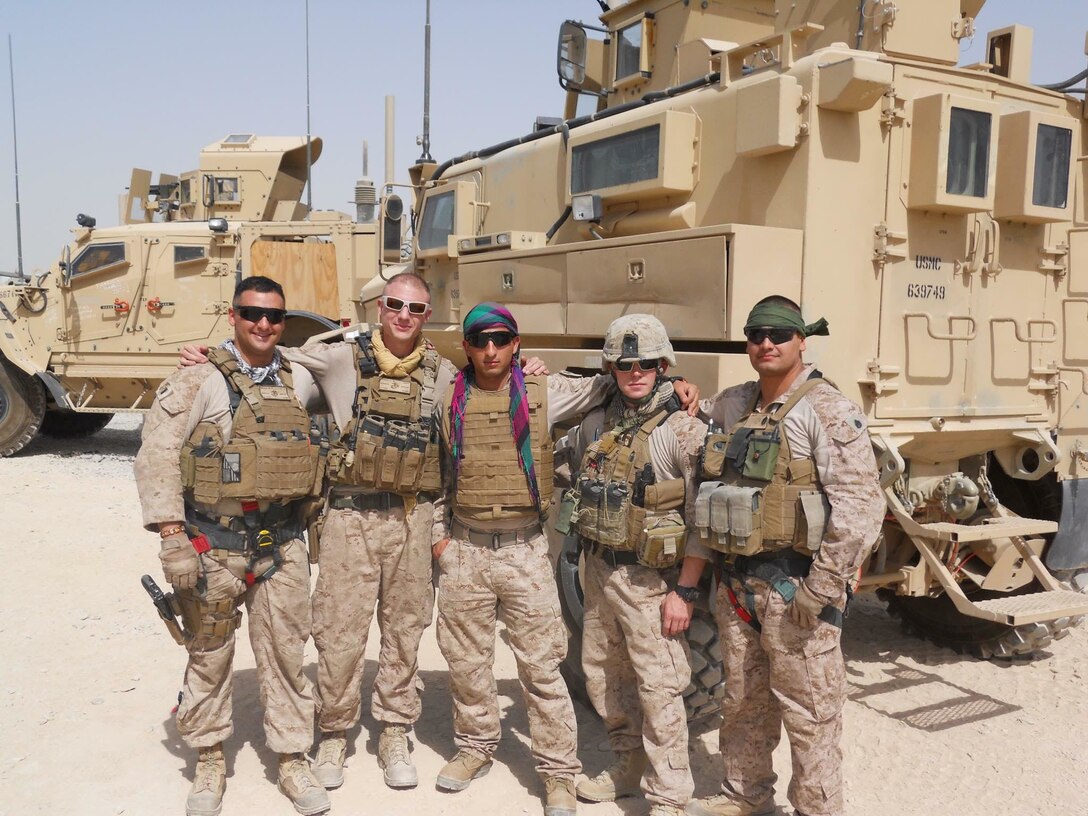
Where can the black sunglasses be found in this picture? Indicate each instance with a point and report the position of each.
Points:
(253, 314)
(481, 339)
(416, 307)
(644, 365)
(778, 336)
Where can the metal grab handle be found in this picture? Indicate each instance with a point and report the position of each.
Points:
(1029, 338)
(949, 335)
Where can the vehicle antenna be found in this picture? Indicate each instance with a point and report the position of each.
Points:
(425, 156)
(309, 148)
(15, 150)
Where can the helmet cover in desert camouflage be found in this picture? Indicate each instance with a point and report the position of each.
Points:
(638, 336)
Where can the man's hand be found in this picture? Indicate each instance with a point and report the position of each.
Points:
(193, 354)
(688, 394)
(805, 607)
(534, 367)
(180, 562)
(675, 614)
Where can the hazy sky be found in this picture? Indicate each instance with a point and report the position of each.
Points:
(102, 87)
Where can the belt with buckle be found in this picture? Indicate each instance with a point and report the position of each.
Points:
(494, 540)
(617, 558)
(366, 501)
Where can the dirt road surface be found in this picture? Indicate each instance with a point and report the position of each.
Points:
(88, 676)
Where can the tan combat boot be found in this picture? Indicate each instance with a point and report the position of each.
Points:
(297, 782)
(209, 782)
(722, 805)
(622, 778)
(666, 810)
(559, 797)
(395, 758)
(461, 770)
(328, 764)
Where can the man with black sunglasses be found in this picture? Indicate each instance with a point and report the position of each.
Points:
(224, 471)
(789, 513)
(637, 455)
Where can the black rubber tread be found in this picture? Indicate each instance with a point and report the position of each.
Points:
(73, 425)
(22, 406)
(702, 697)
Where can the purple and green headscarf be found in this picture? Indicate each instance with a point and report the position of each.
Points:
(486, 316)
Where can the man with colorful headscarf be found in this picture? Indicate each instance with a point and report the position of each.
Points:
(493, 553)
(789, 513)
(638, 456)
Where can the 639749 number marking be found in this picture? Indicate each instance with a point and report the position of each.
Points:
(926, 291)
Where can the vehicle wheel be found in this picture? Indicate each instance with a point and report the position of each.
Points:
(72, 424)
(702, 698)
(938, 620)
(22, 406)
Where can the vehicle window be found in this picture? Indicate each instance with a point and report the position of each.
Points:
(968, 152)
(184, 254)
(628, 48)
(621, 159)
(97, 256)
(226, 190)
(437, 222)
(186, 191)
(1052, 155)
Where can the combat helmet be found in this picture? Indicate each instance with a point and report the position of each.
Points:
(637, 336)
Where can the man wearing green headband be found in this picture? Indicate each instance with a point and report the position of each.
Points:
(789, 509)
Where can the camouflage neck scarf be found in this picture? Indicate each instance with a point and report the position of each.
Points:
(258, 374)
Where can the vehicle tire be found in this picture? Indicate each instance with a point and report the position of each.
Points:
(22, 406)
(702, 698)
(73, 424)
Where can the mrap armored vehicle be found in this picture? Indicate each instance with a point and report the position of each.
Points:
(99, 331)
(831, 151)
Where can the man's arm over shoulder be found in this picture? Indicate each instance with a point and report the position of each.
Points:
(180, 403)
(322, 360)
(570, 395)
(849, 476)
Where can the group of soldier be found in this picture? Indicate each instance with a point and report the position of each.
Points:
(430, 470)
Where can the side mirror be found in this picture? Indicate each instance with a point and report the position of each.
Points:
(571, 58)
(392, 228)
(217, 224)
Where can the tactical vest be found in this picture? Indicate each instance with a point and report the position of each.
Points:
(389, 443)
(760, 498)
(618, 503)
(491, 483)
(269, 457)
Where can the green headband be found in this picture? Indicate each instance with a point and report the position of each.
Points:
(777, 316)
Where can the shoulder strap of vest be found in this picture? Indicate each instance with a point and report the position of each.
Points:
(795, 397)
(368, 366)
(229, 368)
(429, 364)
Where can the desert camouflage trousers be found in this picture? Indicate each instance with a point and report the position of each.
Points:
(635, 676)
(372, 558)
(785, 675)
(278, 612)
(475, 583)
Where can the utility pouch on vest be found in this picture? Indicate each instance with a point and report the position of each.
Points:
(701, 522)
(285, 466)
(745, 520)
(566, 510)
(815, 511)
(667, 495)
(367, 446)
(612, 527)
(660, 543)
(719, 518)
(712, 461)
(737, 449)
(760, 457)
(392, 455)
(587, 513)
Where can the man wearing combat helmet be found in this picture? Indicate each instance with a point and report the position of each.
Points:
(638, 456)
(789, 511)
(225, 467)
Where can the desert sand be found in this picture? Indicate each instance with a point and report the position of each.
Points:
(88, 677)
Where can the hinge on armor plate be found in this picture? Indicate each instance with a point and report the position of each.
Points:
(891, 110)
(887, 245)
(216, 269)
(221, 307)
(883, 379)
(64, 335)
(1055, 260)
(1043, 380)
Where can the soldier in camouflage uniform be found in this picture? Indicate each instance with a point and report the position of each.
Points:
(224, 469)
(796, 473)
(493, 553)
(638, 456)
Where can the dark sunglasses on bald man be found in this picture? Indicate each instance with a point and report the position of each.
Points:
(416, 307)
(481, 339)
(644, 365)
(253, 314)
(778, 336)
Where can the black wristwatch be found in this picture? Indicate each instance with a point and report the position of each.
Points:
(687, 594)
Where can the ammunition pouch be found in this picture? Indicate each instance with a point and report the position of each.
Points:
(208, 626)
(744, 520)
(266, 467)
(604, 514)
(391, 455)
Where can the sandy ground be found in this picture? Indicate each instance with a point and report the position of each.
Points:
(88, 676)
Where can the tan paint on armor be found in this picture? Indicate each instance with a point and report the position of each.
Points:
(269, 456)
(492, 484)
